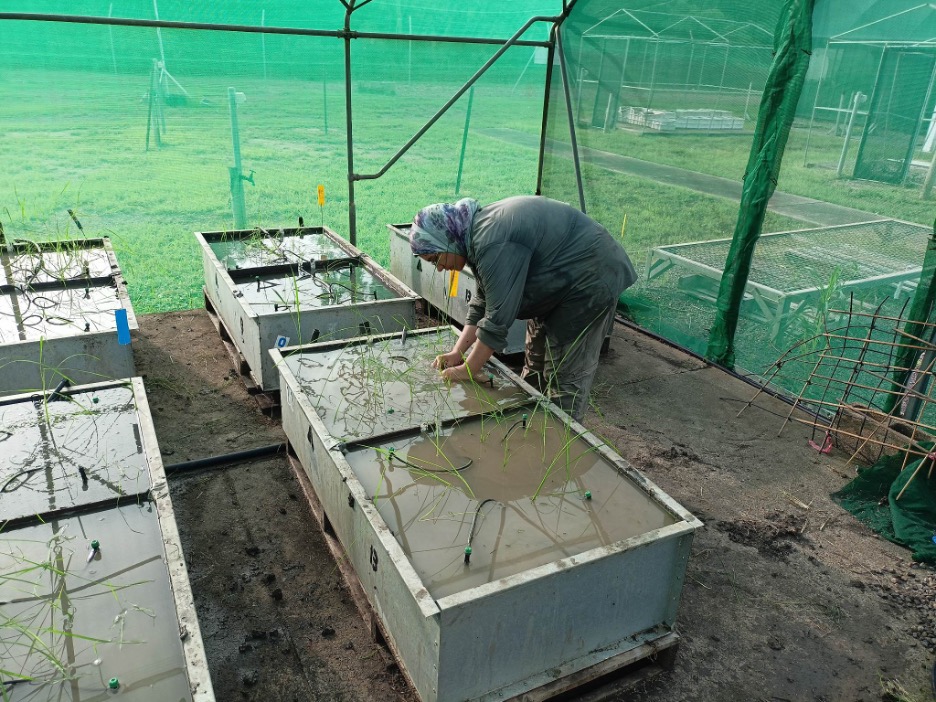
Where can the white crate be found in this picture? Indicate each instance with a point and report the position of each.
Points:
(58, 306)
(292, 286)
(591, 568)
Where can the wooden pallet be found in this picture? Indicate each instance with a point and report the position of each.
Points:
(268, 400)
(599, 682)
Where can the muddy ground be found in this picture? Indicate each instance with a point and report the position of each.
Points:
(787, 596)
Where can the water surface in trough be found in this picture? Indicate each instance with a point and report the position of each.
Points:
(255, 252)
(350, 285)
(364, 389)
(75, 618)
(55, 263)
(30, 315)
(44, 443)
(522, 493)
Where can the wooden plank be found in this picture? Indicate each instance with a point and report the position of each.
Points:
(611, 677)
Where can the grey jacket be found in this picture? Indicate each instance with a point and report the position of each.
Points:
(536, 258)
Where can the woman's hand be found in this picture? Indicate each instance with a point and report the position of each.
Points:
(447, 360)
(459, 372)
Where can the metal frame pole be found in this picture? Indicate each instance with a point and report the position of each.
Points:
(812, 115)
(871, 102)
(253, 29)
(550, 57)
(461, 156)
(110, 31)
(162, 54)
(452, 100)
(919, 126)
(568, 101)
(238, 202)
(324, 99)
(349, 129)
(263, 42)
(848, 131)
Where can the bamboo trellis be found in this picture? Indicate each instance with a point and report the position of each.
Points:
(851, 376)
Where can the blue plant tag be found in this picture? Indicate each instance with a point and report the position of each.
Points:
(123, 327)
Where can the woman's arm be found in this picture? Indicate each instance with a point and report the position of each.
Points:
(457, 354)
(471, 369)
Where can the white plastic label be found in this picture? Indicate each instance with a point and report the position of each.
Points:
(282, 341)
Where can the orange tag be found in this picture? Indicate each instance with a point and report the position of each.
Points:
(321, 195)
(453, 283)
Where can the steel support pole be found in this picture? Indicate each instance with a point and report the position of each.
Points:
(848, 132)
(550, 57)
(568, 101)
(252, 29)
(452, 100)
(461, 156)
(349, 129)
(110, 31)
(324, 99)
(918, 128)
(812, 115)
(263, 42)
(238, 202)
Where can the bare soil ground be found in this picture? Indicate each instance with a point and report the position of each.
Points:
(787, 596)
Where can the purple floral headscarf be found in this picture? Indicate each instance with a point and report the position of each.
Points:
(443, 228)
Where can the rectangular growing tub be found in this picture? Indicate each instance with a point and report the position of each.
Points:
(501, 544)
(93, 584)
(58, 307)
(285, 287)
(436, 287)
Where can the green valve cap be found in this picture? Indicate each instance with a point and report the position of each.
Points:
(588, 494)
(390, 411)
(113, 684)
(95, 545)
(467, 550)
(95, 400)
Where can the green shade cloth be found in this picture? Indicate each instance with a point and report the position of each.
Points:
(792, 45)
(910, 521)
(919, 314)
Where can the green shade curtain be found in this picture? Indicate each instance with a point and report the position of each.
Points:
(793, 42)
(919, 314)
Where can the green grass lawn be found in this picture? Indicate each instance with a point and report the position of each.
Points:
(77, 140)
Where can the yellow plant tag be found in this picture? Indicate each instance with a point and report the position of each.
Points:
(321, 195)
(453, 283)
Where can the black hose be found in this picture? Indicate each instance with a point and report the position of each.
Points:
(57, 393)
(471, 531)
(227, 458)
(393, 456)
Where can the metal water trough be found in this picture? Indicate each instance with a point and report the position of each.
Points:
(59, 307)
(430, 489)
(437, 287)
(284, 287)
(92, 570)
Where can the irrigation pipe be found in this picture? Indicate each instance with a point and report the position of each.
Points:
(227, 459)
